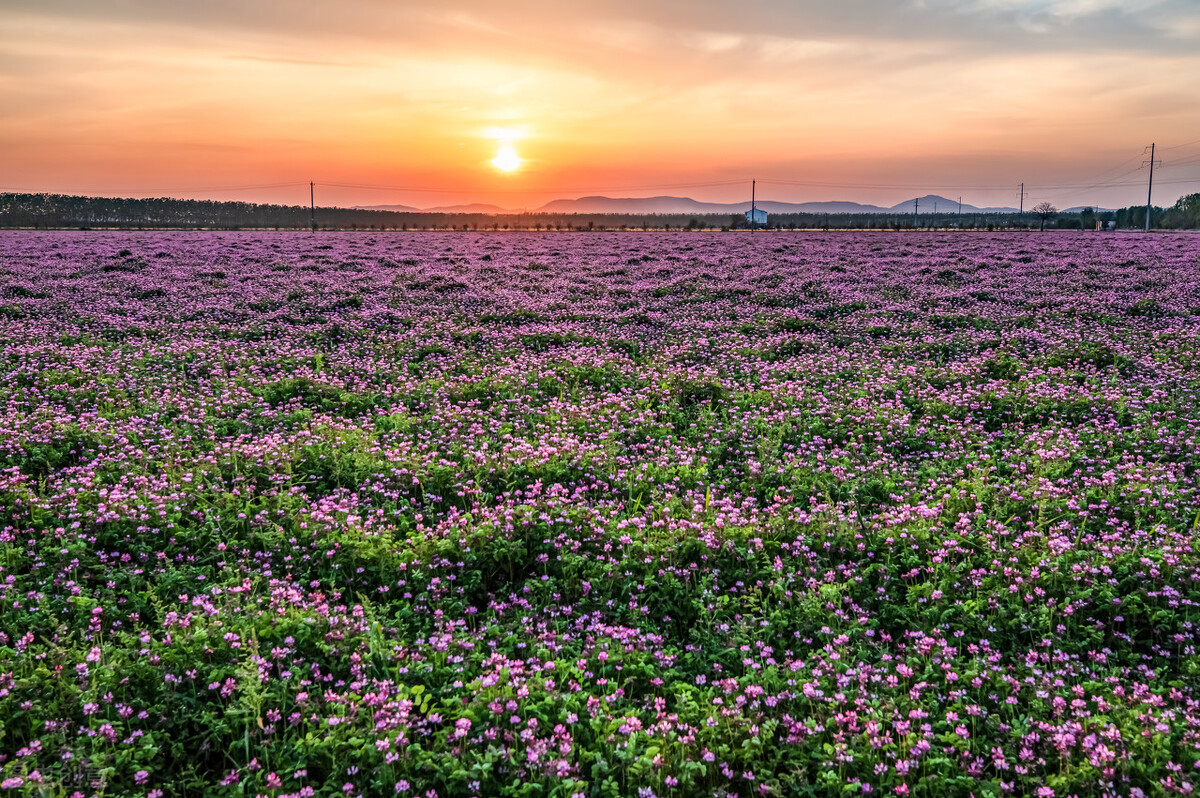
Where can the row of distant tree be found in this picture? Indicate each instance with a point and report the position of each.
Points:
(1183, 215)
(51, 211)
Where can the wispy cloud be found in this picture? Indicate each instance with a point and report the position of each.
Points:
(312, 62)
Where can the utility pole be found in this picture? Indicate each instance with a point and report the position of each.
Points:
(312, 206)
(916, 206)
(753, 215)
(1021, 214)
(1149, 188)
(960, 206)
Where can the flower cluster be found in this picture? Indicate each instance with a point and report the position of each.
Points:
(600, 514)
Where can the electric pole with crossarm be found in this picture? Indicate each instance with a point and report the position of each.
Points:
(1150, 187)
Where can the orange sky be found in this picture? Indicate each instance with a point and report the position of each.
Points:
(867, 100)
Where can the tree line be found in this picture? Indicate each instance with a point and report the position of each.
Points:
(58, 211)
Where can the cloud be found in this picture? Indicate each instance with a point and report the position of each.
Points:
(668, 87)
(313, 62)
(1059, 25)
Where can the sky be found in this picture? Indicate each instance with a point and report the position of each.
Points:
(520, 102)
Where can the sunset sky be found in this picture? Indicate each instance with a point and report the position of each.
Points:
(520, 102)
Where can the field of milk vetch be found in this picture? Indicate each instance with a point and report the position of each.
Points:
(609, 514)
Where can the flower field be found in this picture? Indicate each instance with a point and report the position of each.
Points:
(599, 515)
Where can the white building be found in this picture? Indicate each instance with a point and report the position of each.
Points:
(756, 216)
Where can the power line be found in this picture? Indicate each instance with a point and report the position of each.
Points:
(806, 183)
(191, 189)
(942, 186)
(432, 190)
(1181, 146)
(1090, 186)
(1107, 174)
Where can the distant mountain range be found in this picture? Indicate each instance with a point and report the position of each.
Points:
(927, 204)
(930, 203)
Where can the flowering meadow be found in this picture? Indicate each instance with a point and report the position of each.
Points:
(607, 514)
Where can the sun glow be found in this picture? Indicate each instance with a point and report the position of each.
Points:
(506, 159)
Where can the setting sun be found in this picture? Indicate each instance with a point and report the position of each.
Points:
(506, 159)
